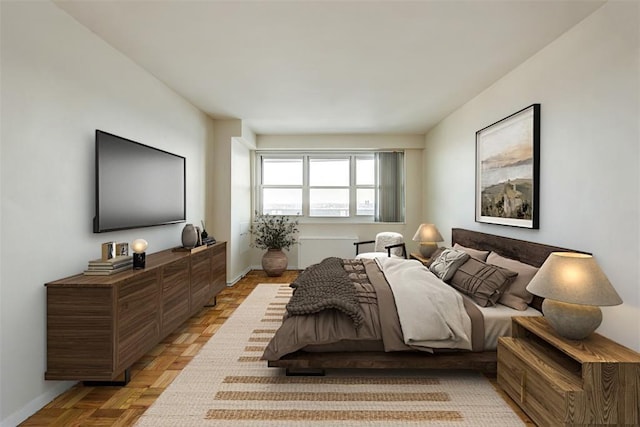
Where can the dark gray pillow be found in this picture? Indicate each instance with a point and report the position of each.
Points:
(447, 263)
(483, 283)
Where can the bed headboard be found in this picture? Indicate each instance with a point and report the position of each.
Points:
(528, 252)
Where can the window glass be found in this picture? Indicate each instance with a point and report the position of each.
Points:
(365, 171)
(282, 201)
(282, 171)
(329, 202)
(365, 201)
(329, 172)
(331, 185)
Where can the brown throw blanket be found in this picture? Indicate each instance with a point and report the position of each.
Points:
(325, 286)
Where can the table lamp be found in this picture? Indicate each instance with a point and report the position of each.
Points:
(138, 247)
(573, 286)
(427, 235)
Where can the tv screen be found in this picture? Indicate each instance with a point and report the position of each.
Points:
(137, 185)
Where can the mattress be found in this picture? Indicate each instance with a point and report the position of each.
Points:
(497, 322)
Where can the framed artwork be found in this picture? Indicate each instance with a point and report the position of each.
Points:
(508, 170)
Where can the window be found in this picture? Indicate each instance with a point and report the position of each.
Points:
(282, 185)
(329, 186)
(358, 186)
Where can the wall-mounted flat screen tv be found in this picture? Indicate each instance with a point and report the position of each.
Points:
(137, 185)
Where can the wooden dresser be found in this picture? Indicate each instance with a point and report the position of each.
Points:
(98, 326)
(561, 382)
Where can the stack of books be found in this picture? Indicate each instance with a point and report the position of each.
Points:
(208, 241)
(101, 267)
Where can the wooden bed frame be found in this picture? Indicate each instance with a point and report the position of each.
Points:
(303, 363)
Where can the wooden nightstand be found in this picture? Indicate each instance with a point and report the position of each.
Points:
(415, 255)
(557, 381)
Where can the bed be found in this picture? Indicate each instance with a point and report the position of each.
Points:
(306, 343)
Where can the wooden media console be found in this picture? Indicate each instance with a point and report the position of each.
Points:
(98, 326)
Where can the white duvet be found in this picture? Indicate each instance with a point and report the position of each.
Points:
(431, 313)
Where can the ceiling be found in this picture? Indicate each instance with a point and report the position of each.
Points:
(314, 67)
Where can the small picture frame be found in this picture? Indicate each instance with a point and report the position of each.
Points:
(108, 250)
(122, 249)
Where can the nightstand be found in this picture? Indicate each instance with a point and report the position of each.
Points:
(415, 255)
(558, 381)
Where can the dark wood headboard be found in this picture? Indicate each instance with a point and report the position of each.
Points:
(528, 252)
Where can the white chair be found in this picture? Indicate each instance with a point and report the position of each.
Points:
(387, 243)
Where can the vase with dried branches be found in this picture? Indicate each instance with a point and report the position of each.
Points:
(274, 233)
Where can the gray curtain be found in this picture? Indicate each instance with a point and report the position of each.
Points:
(390, 191)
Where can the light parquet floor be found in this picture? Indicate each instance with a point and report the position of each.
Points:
(152, 374)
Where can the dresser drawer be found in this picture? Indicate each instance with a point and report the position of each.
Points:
(563, 382)
(532, 382)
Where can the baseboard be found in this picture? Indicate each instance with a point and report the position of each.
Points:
(259, 267)
(239, 277)
(36, 404)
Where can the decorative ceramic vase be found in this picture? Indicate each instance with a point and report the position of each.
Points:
(189, 236)
(274, 262)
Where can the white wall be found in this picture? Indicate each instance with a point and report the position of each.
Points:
(587, 83)
(230, 208)
(413, 146)
(240, 208)
(59, 83)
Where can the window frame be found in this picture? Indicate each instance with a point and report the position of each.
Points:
(306, 156)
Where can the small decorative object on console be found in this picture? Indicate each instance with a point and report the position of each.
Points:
(573, 286)
(100, 267)
(122, 249)
(204, 233)
(108, 250)
(139, 257)
(189, 236)
(205, 238)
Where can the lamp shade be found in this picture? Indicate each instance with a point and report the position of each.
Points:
(427, 233)
(573, 278)
(139, 246)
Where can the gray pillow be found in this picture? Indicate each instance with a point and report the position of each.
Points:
(516, 295)
(446, 264)
(475, 253)
(483, 283)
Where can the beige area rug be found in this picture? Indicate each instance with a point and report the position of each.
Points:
(227, 384)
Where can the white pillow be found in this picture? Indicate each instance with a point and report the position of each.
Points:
(446, 264)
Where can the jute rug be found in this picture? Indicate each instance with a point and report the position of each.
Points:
(228, 384)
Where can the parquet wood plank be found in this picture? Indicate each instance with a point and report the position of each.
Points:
(165, 379)
(161, 362)
(180, 363)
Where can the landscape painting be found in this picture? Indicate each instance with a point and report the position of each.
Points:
(507, 170)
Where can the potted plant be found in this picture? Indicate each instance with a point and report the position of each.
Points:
(274, 233)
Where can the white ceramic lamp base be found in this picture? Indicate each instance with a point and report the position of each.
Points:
(573, 321)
